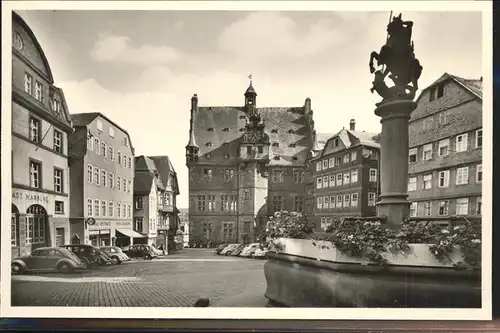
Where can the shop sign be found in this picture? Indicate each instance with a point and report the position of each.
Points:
(30, 197)
(103, 224)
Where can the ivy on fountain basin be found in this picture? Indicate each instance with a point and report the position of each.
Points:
(370, 239)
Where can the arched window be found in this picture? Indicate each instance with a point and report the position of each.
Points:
(36, 220)
(14, 227)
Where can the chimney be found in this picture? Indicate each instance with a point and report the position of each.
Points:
(481, 79)
(307, 106)
(352, 125)
(194, 103)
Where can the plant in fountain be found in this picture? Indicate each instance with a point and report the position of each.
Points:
(284, 224)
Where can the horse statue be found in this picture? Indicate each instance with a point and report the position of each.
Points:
(398, 57)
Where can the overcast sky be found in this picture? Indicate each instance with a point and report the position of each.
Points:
(140, 68)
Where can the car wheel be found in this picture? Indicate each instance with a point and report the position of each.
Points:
(86, 262)
(228, 253)
(252, 256)
(17, 269)
(115, 260)
(147, 257)
(64, 268)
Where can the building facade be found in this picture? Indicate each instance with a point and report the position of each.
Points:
(445, 156)
(344, 176)
(155, 197)
(101, 160)
(245, 162)
(40, 127)
(184, 226)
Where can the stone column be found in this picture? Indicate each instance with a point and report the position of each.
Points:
(393, 203)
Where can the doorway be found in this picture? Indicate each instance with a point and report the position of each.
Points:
(60, 240)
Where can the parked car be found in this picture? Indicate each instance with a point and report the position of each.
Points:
(260, 253)
(91, 255)
(139, 251)
(236, 252)
(115, 253)
(221, 247)
(47, 259)
(157, 251)
(249, 250)
(228, 248)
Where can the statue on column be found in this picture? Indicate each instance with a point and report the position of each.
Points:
(398, 58)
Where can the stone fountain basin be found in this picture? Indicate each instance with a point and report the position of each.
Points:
(302, 274)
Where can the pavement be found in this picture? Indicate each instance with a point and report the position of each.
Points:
(176, 280)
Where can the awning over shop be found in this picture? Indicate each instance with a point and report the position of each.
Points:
(130, 233)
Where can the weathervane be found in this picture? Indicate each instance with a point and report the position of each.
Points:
(398, 60)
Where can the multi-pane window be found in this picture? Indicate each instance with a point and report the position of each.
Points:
(14, 229)
(479, 204)
(331, 162)
(90, 141)
(111, 153)
(111, 180)
(228, 174)
(35, 130)
(347, 177)
(124, 185)
(413, 209)
(202, 204)
(111, 132)
(97, 146)
(346, 158)
(99, 125)
(338, 203)
(444, 117)
(35, 227)
(338, 161)
(347, 200)
(444, 147)
(427, 152)
(139, 224)
(298, 176)
(319, 202)
(130, 162)
(56, 106)
(339, 179)
(427, 208)
(277, 203)
(354, 200)
(332, 180)
(427, 183)
(104, 149)
(129, 187)
(129, 211)
(96, 207)
(326, 202)
(111, 209)
(89, 207)
(412, 155)
(444, 178)
(462, 176)
(412, 184)
(227, 230)
(28, 83)
(354, 156)
(211, 203)
(318, 166)
(125, 141)
(371, 198)
(58, 143)
(35, 174)
(119, 158)
(124, 160)
(103, 178)
(224, 203)
(325, 181)
(443, 207)
(462, 206)
(373, 175)
(118, 209)
(139, 202)
(461, 143)
(58, 180)
(233, 204)
(118, 183)
(298, 204)
(332, 201)
(479, 173)
(278, 176)
(354, 176)
(38, 91)
(103, 208)
(319, 182)
(479, 138)
(325, 164)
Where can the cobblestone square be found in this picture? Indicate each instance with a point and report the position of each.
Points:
(174, 281)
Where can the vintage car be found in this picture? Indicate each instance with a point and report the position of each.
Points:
(139, 251)
(47, 259)
(116, 254)
(249, 250)
(91, 255)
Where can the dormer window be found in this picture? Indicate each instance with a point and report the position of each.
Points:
(292, 145)
(226, 156)
(336, 142)
(225, 144)
(291, 131)
(99, 125)
(295, 158)
(56, 106)
(276, 144)
(208, 144)
(226, 129)
(277, 157)
(208, 156)
(274, 130)
(210, 129)
(18, 41)
(440, 90)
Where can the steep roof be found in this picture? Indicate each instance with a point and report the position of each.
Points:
(352, 138)
(475, 86)
(143, 181)
(286, 127)
(165, 167)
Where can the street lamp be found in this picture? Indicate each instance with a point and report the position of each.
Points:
(166, 239)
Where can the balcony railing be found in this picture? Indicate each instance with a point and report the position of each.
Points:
(166, 208)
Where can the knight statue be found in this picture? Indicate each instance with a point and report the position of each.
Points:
(398, 58)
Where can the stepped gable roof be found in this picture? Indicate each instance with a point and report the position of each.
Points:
(285, 126)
